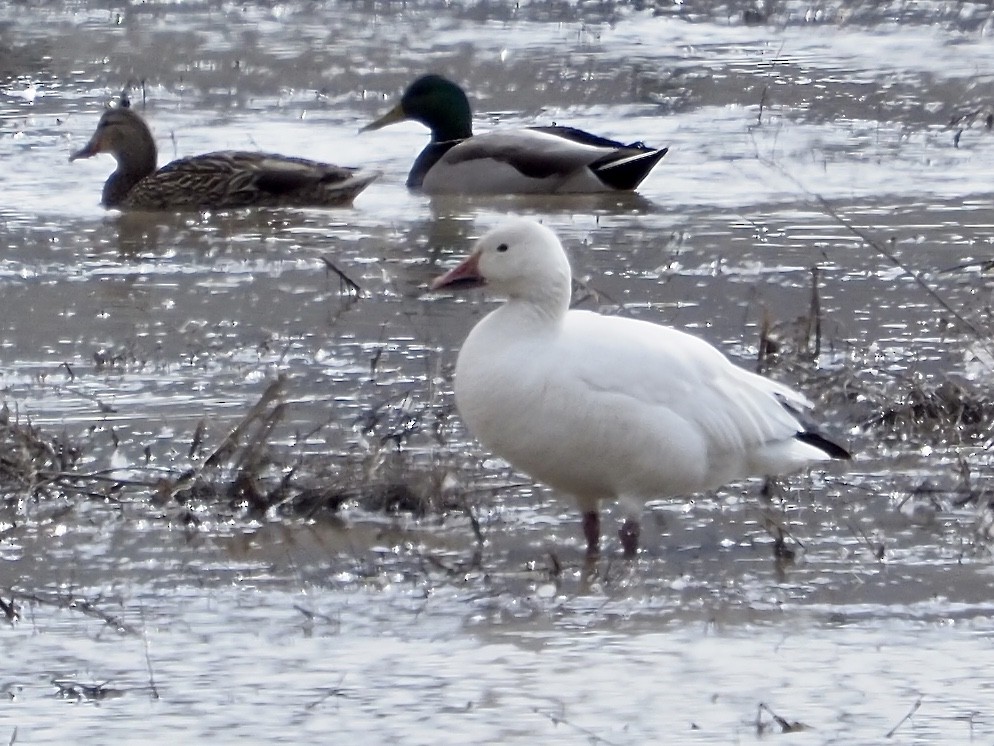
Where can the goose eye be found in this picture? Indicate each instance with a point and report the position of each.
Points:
(502, 248)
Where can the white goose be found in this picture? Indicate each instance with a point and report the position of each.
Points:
(604, 407)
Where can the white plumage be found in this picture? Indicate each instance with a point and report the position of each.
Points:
(604, 407)
(536, 161)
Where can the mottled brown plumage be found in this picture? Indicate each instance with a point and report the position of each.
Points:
(218, 180)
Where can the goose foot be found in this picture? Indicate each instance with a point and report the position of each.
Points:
(592, 532)
(629, 535)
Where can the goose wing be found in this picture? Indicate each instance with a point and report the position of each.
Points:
(644, 368)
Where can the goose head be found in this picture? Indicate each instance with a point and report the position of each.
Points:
(519, 260)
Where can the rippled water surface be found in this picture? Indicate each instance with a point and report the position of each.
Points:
(852, 139)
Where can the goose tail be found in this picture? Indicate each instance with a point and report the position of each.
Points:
(825, 444)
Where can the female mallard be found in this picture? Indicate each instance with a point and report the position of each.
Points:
(213, 180)
(534, 160)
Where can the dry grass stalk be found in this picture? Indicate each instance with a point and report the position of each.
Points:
(767, 346)
(786, 726)
(350, 286)
(32, 463)
(259, 411)
(980, 335)
(814, 315)
(946, 412)
(70, 602)
(906, 718)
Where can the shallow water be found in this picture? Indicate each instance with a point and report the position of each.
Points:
(126, 331)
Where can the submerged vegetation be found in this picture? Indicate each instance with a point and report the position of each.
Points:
(231, 468)
(253, 469)
(403, 457)
(405, 454)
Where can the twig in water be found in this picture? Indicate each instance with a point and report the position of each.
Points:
(198, 438)
(375, 361)
(906, 718)
(228, 445)
(878, 550)
(103, 475)
(312, 615)
(967, 325)
(779, 533)
(766, 89)
(167, 490)
(148, 659)
(81, 692)
(335, 691)
(814, 314)
(556, 567)
(351, 285)
(9, 611)
(786, 726)
(251, 452)
(70, 601)
(915, 276)
(591, 736)
(766, 345)
(984, 265)
(474, 522)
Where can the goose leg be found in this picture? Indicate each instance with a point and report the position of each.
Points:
(629, 535)
(592, 531)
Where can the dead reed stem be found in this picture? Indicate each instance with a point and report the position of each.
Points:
(906, 718)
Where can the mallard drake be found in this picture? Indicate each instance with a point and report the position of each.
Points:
(606, 407)
(225, 179)
(532, 160)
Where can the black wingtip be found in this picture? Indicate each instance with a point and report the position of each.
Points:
(823, 443)
(626, 172)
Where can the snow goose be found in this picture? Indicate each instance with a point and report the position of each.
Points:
(605, 407)
(530, 160)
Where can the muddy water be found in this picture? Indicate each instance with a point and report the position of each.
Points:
(125, 331)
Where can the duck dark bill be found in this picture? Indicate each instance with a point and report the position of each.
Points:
(219, 180)
(89, 150)
(466, 275)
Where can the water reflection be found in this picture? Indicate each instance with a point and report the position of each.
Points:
(129, 331)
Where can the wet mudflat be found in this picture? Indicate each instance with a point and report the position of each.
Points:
(381, 576)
